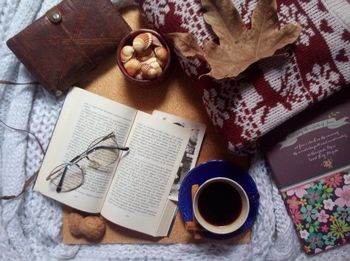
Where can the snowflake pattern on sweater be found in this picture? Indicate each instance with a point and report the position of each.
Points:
(273, 90)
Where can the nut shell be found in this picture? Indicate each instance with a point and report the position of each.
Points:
(161, 53)
(139, 76)
(93, 228)
(159, 71)
(142, 42)
(155, 41)
(145, 55)
(132, 67)
(150, 60)
(151, 74)
(74, 220)
(153, 62)
(145, 67)
(155, 65)
(161, 63)
(127, 53)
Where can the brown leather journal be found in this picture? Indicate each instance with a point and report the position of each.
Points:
(62, 46)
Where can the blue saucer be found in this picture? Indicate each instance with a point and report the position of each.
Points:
(213, 169)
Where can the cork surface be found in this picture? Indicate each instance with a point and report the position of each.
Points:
(173, 95)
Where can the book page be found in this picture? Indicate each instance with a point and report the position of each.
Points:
(84, 117)
(193, 147)
(138, 196)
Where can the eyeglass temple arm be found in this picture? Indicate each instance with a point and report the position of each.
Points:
(75, 160)
(59, 186)
(107, 147)
(86, 152)
(121, 148)
(110, 135)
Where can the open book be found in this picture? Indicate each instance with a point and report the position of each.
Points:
(134, 194)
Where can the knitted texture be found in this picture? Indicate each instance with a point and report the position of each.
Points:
(275, 89)
(30, 225)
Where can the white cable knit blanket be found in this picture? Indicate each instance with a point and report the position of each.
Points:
(30, 225)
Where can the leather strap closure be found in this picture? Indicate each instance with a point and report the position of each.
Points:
(54, 15)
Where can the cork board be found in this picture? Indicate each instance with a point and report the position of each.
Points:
(173, 95)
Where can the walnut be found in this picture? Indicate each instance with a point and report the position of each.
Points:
(74, 220)
(93, 228)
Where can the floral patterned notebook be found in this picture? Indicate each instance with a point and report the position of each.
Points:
(310, 163)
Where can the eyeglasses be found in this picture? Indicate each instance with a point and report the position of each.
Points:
(101, 154)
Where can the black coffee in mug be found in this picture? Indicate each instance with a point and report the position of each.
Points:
(219, 203)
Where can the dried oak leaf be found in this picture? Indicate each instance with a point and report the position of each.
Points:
(239, 47)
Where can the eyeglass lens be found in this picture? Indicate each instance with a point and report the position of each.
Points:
(68, 177)
(103, 153)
